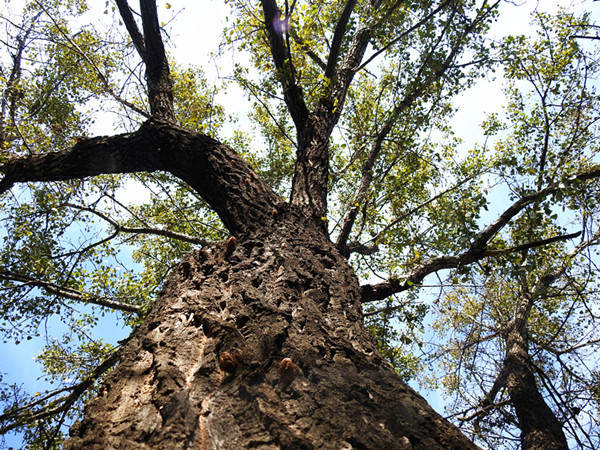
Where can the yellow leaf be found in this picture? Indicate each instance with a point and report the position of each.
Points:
(168, 6)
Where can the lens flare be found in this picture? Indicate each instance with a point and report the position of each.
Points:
(281, 23)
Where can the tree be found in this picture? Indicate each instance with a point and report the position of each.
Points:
(527, 318)
(257, 340)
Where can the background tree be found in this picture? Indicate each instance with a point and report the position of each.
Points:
(524, 326)
(260, 339)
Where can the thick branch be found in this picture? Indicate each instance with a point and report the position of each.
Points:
(352, 62)
(361, 195)
(579, 36)
(343, 76)
(122, 153)
(136, 36)
(373, 292)
(309, 186)
(242, 200)
(338, 35)
(292, 93)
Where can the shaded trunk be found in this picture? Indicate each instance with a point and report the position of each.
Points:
(309, 186)
(540, 429)
(158, 80)
(259, 343)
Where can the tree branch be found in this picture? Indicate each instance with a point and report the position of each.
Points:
(338, 35)
(342, 78)
(478, 249)
(309, 186)
(223, 179)
(402, 35)
(160, 86)
(401, 107)
(580, 36)
(362, 249)
(141, 230)
(24, 415)
(544, 282)
(136, 36)
(417, 208)
(10, 96)
(292, 93)
(515, 208)
(69, 293)
(577, 346)
(483, 411)
(94, 66)
(558, 352)
(311, 54)
(124, 153)
(533, 244)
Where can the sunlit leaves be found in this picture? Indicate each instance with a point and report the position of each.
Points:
(194, 101)
(552, 100)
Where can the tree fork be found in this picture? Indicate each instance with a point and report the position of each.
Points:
(259, 343)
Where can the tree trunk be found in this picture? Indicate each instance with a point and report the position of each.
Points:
(540, 429)
(259, 343)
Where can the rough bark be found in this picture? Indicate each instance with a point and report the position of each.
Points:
(246, 306)
(309, 186)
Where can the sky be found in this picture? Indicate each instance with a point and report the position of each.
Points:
(193, 38)
(198, 27)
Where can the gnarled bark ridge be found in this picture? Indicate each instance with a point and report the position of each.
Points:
(282, 293)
